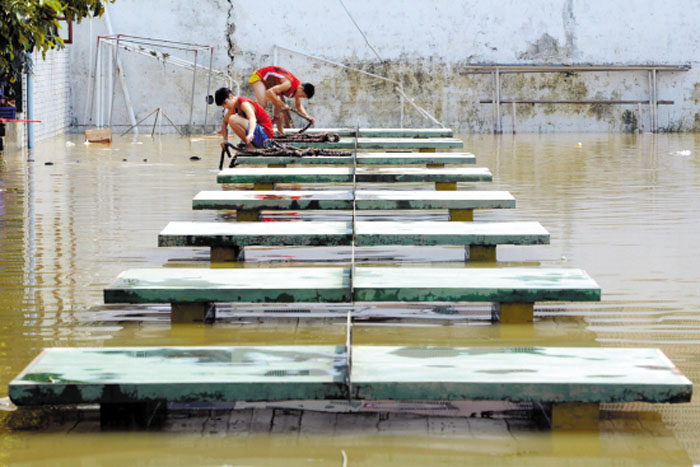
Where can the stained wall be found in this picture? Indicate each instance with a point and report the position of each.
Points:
(424, 46)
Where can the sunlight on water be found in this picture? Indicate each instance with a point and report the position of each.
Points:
(623, 207)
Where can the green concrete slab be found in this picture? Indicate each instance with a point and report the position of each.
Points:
(238, 234)
(387, 143)
(342, 199)
(345, 175)
(276, 373)
(449, 233)
(286, 175)
(425, 199)
(380, 132)
(318, 285)
(181, 374)
(255, 285)
(502, 285)
(274, 200)
(536, 374)
(368, 158)
(194, 234)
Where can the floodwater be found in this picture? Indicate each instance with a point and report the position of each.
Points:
(626, 208)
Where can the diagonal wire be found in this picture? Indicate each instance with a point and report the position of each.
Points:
(358, 28)
(399, 87)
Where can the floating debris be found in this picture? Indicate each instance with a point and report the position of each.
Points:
(195, 158)
(6, 405)
(685, 152)
(48, 163)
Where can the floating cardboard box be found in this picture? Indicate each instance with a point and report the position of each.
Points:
(99, 135)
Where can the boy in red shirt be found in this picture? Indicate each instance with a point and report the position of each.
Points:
(246, 118)
(271, 82)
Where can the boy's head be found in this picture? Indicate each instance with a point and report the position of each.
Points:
(221, 95)
(308, 90)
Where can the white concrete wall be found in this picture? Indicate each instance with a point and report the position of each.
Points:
(425, 46)
(52, 94)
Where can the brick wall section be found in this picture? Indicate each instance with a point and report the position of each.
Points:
(52, 103)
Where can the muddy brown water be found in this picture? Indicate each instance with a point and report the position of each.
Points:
(626, 208)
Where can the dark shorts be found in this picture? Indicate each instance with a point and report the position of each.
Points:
(259, 136)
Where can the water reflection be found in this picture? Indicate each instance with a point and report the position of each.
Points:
(622, 207)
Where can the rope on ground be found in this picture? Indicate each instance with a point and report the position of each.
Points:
(304, 138)
(273, 148)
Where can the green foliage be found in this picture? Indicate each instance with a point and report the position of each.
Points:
(29, 24)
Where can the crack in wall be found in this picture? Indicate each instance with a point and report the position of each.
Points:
(232, 48)
(569, 28)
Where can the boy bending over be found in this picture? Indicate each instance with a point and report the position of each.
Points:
(247, 119)
(273, 83)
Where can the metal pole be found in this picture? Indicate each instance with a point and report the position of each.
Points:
(91, 83)
(493, 107)
(354, 213)
(93, 100)
(140, 121)
(100, 70)
(109, 89)
(155, 122)
(194, 78)
(651, 105)
(656, 104)
(122, 78)
(206, 105)
(30, 107)
(514, 117)
(499, 123)
(114, 82)
(639, 117)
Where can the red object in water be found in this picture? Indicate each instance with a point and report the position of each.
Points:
(276, 197)
(20, 120)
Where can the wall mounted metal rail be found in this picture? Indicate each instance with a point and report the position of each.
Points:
(497, 70)
(637, 102)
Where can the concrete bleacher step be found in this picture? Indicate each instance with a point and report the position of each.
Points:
(461, 204)
(192, 292)
(227, 240)
(135, 384)
(367, 158)
(385, 143)
(444, 178)
(380, 132)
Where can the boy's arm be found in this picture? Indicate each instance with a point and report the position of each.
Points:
(249, 112)
(301, 110)
(224, 126)
(274, 92)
